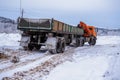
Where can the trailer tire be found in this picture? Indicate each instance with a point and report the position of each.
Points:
(58, 46)
(70, 40)
(25, 48)
(82, 42)
(77, 44)
(37, 47)
(63, 46)
(30, 47)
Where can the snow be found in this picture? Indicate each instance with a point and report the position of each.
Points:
(9, 40)
(24, 68)
(100, 62)
(79, 70)
(108, 40)
(8, 28)
(5, 65)
(113, 72)
(23, 59)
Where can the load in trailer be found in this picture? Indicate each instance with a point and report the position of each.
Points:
(49, 32)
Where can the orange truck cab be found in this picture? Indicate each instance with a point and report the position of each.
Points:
(89, 33)
(88, 30)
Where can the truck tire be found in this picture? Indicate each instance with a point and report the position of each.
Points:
(30, 47)
(25, 48)
(63, 46)
(92, 41)
(70, 40)
(82, 42)
(58, 46)
(37, 47)
(77, 44)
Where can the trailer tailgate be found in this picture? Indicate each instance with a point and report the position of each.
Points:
(34, 24)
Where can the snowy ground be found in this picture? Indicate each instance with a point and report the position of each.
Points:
(9, 40)
(99, 62)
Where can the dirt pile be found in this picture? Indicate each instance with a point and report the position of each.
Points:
(3, 56)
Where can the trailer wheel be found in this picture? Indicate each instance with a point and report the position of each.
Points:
(77, 42)
(63, 46)
(37, 47)
(25, 48)
(82, 42)
(30, 47)
(58, 46)
(70, 40)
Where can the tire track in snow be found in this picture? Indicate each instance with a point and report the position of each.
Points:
(45, 67)
(13, 66)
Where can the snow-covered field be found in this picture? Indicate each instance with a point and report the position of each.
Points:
(9, 40)
(99, 62)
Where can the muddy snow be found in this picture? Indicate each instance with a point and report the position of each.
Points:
(99, 62)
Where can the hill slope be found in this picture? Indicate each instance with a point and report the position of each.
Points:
(7, 25)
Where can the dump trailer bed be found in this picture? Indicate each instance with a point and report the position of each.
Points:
(47, 25)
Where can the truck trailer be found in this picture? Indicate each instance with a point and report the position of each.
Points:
(52, 33)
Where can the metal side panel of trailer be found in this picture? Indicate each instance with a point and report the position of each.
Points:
(45, 25)
(61, 27)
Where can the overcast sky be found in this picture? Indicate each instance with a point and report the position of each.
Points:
(99, 13)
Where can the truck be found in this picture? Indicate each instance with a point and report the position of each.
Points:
(52, 33)
(90, 33)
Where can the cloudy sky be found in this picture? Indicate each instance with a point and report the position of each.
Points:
(100, 13)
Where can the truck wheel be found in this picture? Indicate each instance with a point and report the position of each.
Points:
(58, 46)
(63, 46)
(70, 40)
(92, 41)
(37, 47)
(82, 42)
(25, 48)
(77, 42)
(30, 47)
